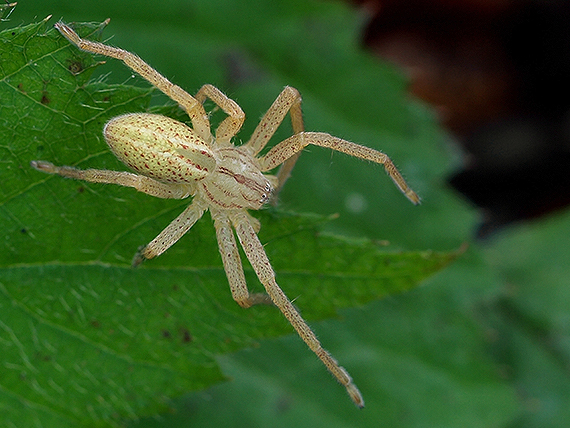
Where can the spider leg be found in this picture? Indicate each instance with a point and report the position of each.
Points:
(288, 101)
(231, 124)
(172, 233)
(293, 145)
(193, 108)
(232, 263)
(260, 263)
(127, 179)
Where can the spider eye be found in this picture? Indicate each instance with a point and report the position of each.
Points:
(265, 196)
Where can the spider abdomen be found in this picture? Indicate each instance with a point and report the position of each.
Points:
(159, 147)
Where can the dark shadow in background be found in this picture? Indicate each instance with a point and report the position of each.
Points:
(497, 73)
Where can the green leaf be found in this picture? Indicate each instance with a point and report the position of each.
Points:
(531, 319)
(89, 341)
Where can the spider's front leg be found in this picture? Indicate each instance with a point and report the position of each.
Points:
(262, 267)
(232, 263)
(288, 101)
(293, 145)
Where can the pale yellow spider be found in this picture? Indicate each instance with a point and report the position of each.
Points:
(176, 161)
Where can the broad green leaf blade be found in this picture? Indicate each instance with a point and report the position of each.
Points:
(86, 339)
(128, 338)
(421, 371)
(532, 318)
(50, 113)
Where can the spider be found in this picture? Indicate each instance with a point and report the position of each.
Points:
(173, 160)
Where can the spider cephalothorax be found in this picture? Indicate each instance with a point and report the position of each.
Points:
(173, 160)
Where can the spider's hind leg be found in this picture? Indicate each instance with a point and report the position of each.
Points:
(193, 108)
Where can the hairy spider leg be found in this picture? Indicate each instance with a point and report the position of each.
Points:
(231, 125)
(172, 233)
(258, 259)
(294, 144)
(142, 183)
(232, 262)
(288, 101)
(194, 108)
